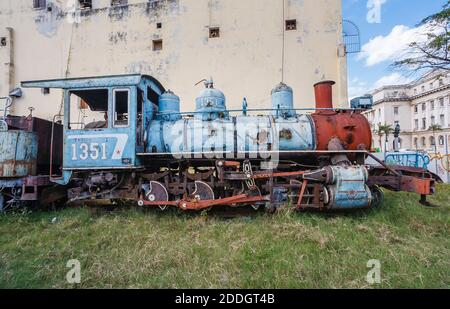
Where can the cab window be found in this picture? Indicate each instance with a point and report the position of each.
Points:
(88, 109)
(121, 107)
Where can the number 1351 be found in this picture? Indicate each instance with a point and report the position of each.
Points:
(92, 150)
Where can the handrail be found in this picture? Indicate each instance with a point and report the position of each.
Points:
(264, 110)
(51, 146)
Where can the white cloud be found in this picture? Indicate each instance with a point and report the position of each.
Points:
(358, 87)
(392, 79)
(392, 46)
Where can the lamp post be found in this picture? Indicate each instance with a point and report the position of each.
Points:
(397, 138)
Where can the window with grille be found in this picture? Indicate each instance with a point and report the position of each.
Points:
(291, 24)
(214, 32)
(39, 4)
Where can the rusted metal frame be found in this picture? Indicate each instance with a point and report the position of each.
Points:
(302, 192)
(384, 164)
(198, 205)
(279, 174)
(259, 175)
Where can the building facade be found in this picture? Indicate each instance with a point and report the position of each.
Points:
(247, 46)
(416, 107)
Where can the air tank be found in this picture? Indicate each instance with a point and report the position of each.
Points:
(283, 101)
(210, 104)
(169, 107)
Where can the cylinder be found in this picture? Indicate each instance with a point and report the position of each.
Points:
(283, 101)
(324, 94)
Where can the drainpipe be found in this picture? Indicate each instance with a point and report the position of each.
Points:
(9, 61)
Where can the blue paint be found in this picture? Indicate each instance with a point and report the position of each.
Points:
(169, 107)
(349, 189)
(210, 104)
(114, 147)
(414, 159)
(283, 101)
(18, 153)
(253, 134)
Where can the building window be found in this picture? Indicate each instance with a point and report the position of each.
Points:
(441, 82)
(432, 141)
(416, 142)
(291, 24)
(214, 32)
(396, 108)
(416, 124)
(441, 102)
(442, 120)
(433, 120)
(424, 107)
(415, 91)
(3, 41)
(157, 45)
(423, 88)
(39, 4)
(424, 142)
(424, 123)
(85, 4)
(158, 25)
(416, 109)
(441, 140)
(431, 86)
(432, 105)
(119, 2)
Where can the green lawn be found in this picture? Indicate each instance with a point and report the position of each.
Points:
(134, 248)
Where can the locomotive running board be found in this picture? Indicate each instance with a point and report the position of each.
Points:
(243, 153)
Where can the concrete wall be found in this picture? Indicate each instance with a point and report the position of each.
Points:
(245, 61)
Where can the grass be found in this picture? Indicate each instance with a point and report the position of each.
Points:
(137, 249)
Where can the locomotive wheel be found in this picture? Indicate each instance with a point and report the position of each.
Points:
(157, 193)
(202, 191)
(254, 193)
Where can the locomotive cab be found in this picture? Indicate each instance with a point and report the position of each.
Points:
(104, 119)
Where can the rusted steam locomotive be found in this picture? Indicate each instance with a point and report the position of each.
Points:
(124, 138)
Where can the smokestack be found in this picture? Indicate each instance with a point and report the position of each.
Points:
(324, 94)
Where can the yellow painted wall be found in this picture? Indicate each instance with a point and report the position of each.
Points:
(246, 61)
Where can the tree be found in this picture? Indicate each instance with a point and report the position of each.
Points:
(434, 128)
(432, 53)
(383, 129)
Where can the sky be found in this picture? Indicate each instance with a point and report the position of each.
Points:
(386, 28)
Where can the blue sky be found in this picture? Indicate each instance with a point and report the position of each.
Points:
(383, 42)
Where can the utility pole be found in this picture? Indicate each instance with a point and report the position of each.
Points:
(447, 168)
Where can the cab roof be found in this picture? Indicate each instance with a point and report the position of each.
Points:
(94, 82)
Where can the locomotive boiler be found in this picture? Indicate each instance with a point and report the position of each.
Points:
(126, 139)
